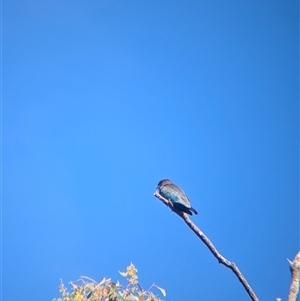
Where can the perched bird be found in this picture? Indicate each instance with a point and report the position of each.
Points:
(173, 193)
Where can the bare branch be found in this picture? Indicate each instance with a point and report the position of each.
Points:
(211, 247)
(295, 269)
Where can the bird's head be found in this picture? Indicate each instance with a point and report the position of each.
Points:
(163, 182)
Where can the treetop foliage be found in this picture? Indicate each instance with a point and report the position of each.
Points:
(87, 289)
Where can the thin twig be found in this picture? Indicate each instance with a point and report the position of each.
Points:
(211, 247)
(88, 278)
(295, 269)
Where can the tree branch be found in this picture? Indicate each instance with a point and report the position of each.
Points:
(295, 269)
(211, 247)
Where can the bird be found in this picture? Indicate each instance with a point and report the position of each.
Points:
(175, 195)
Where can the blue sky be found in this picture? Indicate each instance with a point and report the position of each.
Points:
(102, 99)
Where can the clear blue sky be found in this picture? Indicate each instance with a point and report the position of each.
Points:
(102, 99)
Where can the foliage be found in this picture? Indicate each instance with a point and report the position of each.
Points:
(87, 289)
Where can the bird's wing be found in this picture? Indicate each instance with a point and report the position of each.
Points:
(181, 196)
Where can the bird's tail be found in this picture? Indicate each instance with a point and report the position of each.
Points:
(193, 210)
